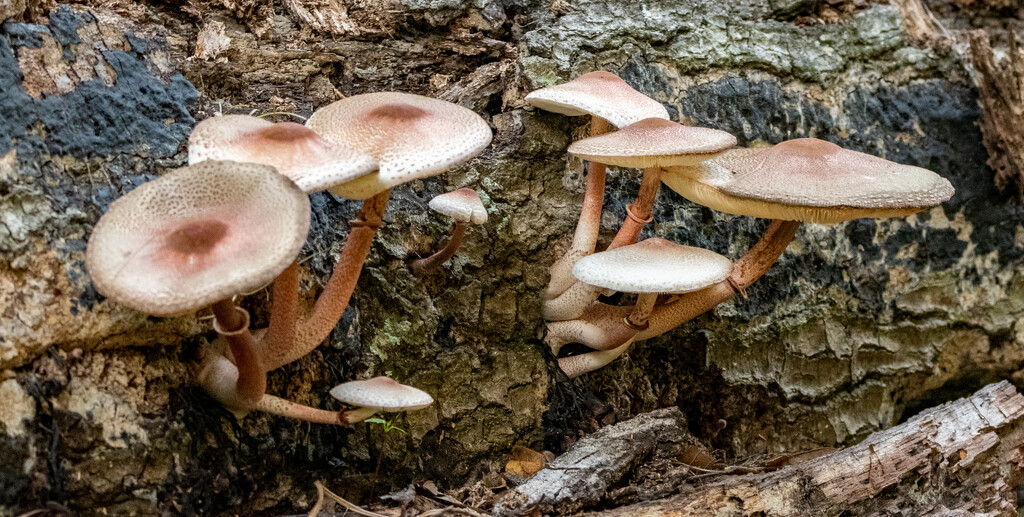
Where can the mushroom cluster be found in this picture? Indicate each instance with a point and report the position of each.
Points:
(237, 217)
(796, 181)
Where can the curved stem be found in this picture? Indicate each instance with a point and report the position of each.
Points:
(352, 416)
(329, 307)
(274, 345)
(579, 296)
(577, 365)
(425, 265)
(640, 210)
(281, 407)
(745, 272)
(642, 310)
(600, 327)
(232, 323)
(585, 239)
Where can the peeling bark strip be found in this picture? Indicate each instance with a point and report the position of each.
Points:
(581, 476)
(1001, 90)
(964, 457)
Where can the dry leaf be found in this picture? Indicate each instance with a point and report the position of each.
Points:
(525, 462)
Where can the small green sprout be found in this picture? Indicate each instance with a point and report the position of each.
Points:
(389, 425)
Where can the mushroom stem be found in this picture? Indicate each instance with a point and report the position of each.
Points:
(745, 272)
(425, 265)
(331, 304)
(352, 416)
(641, 311)
(282, 407)
(600, 327)
(639, 213)
(585, 239)
(274, 345)
(578, 297)
(232, 323)
(577, 365)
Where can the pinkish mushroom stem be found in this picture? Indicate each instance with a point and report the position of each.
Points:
(358, 414)
(274, 345)
(600, 327)
(577, 365)
(282, 407)
(425, 265)
(232, 323)
(639, 213)
(584, 241)
(334, 299)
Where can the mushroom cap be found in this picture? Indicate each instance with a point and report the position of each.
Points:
(197, 235)
(809, 180)
(410, 135)
(653, 266)
(601, 94)
(654, 142)
(293, 149)
(463, 205)
(383, 393)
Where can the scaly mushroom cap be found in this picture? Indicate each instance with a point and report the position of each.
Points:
(463, 205)
(198, 235)
(654, 142)
(809, 180)
(383, 393)
(410, 135)
(294, 150)
(653, 266)
(601, 94)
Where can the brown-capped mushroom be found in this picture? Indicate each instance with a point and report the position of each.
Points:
(294, 150)
(648, 268)
(795, 181)
(650, 144)
(465, 207)
(606, 98)
(196, 237)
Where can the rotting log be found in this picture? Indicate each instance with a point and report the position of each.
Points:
(582, 476)
(962, 458)
(1001, 91)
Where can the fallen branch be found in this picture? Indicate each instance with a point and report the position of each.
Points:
(962, 458)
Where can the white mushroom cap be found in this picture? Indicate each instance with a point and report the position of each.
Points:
(463, 205)
(410, 135)
(654, 142)
(196, 236)
(601, 94)
(809, 180)
(383, 393)
(653, 266)
(294, 150)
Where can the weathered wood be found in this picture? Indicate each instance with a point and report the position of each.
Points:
(1001, 91)
(582, 476)
(961, 458)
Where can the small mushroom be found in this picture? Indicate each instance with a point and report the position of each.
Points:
(606, 98)
(294, 150)
(648, 268)
(195, 238)
(465, 207)
(650, 144)
(377, 394)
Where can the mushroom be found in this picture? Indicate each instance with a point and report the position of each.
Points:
(377, 394)
(606, 98)
(197, 237)
(650, 144)
(293, 149)
(465, 207)
(649, 268)
(411, 137)
(795, 181)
